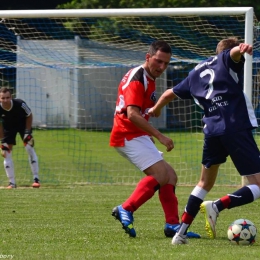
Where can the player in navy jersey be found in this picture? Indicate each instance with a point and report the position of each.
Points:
(216, 85)
(16, 117)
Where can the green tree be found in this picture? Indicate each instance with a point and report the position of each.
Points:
(97, 4)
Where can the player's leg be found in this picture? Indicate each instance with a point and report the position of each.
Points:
(32, 157)
(245, 155)
(33, 161)
(209, 214)
(169, 202)
(207, 179)
(144, 155)
(6, 151)
(213, 156)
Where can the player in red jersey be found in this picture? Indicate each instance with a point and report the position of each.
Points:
(16, 117)
(132, 136)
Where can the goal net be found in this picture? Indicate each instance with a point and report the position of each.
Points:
(66, 64)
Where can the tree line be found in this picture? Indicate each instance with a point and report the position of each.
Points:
(98, 4)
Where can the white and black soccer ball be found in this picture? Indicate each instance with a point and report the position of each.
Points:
(242, 232)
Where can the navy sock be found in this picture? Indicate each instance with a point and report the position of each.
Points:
(193, 205)
(238, 198)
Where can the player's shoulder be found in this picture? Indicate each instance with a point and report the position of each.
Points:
(132, 76)
(18, 101)
(207, 63)
(137, 73)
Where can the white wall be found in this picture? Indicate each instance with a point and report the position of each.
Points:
(62, 91)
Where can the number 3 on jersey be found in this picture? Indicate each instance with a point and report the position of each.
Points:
(211, 73)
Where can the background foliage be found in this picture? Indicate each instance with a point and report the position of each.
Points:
(77, 4)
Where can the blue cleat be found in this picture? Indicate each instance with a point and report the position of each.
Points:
(191, 234)
(126, 218)
(171, 230)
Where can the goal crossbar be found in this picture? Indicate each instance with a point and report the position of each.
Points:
(121, 12)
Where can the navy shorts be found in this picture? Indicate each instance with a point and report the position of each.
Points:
(240, 146)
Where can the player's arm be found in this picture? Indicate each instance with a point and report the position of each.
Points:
(28, 122)
(28, 138)
(238, 51)
(1, 131)
(133, 114)
(165, 98)
(4, 146)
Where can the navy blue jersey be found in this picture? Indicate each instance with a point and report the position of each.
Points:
(216, 85)
(16, 115)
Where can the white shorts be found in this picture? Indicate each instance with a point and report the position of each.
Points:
(141, 151)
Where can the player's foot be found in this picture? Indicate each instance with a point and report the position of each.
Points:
(211, 215)
(179, 239)
(36, 183)
(11, 186)
(170, 231)
(126, 218)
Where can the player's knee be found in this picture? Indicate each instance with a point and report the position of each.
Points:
(28, 148)
(8, 162)
(30, 143)
(5, 149)
(173, 178)
(3, 153)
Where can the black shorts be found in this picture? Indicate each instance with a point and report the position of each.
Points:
(10, 134)
(240, 146)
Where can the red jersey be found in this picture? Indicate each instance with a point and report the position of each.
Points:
(136, 88)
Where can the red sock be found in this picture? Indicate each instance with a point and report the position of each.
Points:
(144, 190)
(225, 201)
(186, 218)
(169, 203)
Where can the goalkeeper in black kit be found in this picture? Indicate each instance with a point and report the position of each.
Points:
(16, 117)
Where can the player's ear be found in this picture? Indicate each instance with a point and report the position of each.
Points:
(147, 56)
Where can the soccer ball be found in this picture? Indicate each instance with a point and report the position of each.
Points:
(242, 232)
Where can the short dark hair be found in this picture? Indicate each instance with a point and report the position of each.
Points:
(226, 44)
(5, 90)
(159, 45)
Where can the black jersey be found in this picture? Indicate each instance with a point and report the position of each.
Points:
(16, 115)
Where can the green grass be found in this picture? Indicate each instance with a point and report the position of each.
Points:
(72, 156)
(76, 223)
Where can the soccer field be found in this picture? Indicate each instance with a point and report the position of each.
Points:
(77, 157)
(76, 223)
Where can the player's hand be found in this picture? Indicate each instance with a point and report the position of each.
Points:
(246, 48)
(153, 112)
(28, 138)
(4, 149)
(166, 141)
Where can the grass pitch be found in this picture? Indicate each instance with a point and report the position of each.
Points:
(76, 223)
(72, 156)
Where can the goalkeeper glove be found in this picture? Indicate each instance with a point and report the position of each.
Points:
(28, 138)
(4, 149)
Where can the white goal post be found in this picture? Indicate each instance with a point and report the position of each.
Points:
(66, 64)
(247, 11)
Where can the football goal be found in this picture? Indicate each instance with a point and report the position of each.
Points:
(66, 64)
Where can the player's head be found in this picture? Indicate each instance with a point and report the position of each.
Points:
(226, 44)
(157, 58)
(5, 96)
